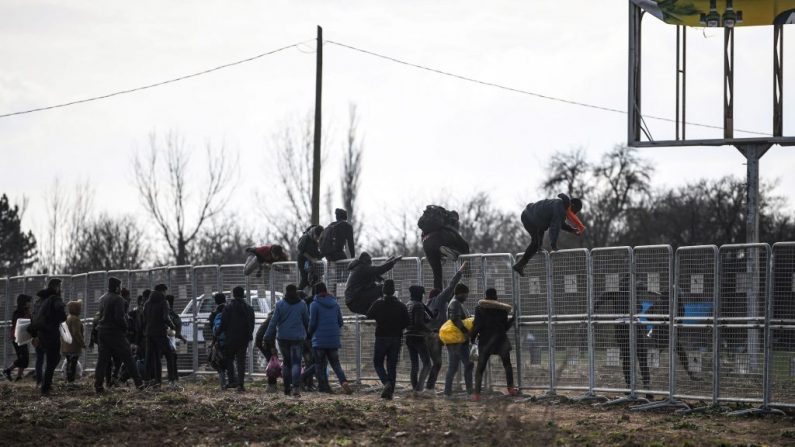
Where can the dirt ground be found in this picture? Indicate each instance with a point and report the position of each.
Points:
(203, 415)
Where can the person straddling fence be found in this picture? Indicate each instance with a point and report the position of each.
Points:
(157, 323)
(458, 353)
(308, 254)
(262, 257)
(21, 351)
(416, 338)
(490, 329)
(325, 325)
(237, 325)
(549, 214)
(72, 350)
(45, 328)
(437, 303)
(440, 238)
(364, 282)
(289, 325)
(268, 349)
(336, 236)
(391, 317)
(112, 336)
(216, 349)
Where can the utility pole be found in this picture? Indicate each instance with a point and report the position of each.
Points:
(316, 158)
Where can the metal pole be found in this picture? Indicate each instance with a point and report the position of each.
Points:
(550, 327)
(316, 157)
(634, 59)
(195, 338)
(633, 336)
(778, 80)
(728, 83)
(716, 328)
(517, 316)
(590, 332)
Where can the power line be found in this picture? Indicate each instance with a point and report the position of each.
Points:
(158, 84)
(524, 92)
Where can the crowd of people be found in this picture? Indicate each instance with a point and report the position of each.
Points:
(301, 336)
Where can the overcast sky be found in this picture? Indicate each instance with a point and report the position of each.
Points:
(425, 135)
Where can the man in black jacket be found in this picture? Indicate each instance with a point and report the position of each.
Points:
(416, 337)
(443, 242)
(112, 336)
(49, 315)
(237, 325)
(308, 254)
(490, 328)
(391, 317)
(156, 325)
(340, 233)
(550, 214)
(363, 286)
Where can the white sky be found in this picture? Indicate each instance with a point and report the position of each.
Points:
(424, 133)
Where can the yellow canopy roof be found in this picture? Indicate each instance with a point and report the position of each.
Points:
(721, 13)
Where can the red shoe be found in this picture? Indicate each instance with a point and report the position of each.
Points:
(513, 391)
(475, 397)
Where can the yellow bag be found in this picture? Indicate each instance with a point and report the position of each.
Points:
(449, 334)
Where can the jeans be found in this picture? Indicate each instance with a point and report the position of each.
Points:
(39, 367)
(458, 354)
(114, 345)
(71, 365)
(536, 237)
(435, 351)
(501, 348)
(235, 360)
(292, 353)
(386, 348)
(418, 351)
(322, 358)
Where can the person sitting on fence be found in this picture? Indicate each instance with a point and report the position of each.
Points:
(391, 317)
(45, 328)
(549, 214)
(416, 338)
(490, 328)
(156, 326)
(262, 257)
(72, 350)
(289, 326)
(363, 286)
(336, 236)
(458, 353)
(112, 336)
(268, 349)
(325, 325)
(440, 238)
(437, 304)
(308, 254)
(21, 351)
(237, 325)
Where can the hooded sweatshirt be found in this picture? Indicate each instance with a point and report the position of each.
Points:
(75, 328)
(325, 322)
(156, 319)
(49, 313)
(237, 323)
(390, 316)
(112, 316)
(549, 214)
(290, 320)
(491, 322)
(364, 276)
(419, 316)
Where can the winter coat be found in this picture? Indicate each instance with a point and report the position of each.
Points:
(325, 322)
(419, 316)
(237, 324)
(50, 312)
(548, 214)
(491, 322)
(457, 313)
(112, 316)
(390, 315)
(307, 245)
(343, 231)
(265, 255)
(364, 276)
(290, 320)
(75, 328)
(266, 346)
(155, 317)
(438, 304)
(18, 313)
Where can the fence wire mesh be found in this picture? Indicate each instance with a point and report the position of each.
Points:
(498, 274)
(6, 313)
(206, 283)
(180, 280)
(781, 336)
(570, 318)
(533, 322)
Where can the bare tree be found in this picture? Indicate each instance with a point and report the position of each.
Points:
(352, 171)
(67, 215)
(169, 199)
(224, 241)
(107, 243)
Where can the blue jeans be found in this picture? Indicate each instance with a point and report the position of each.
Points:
(458, 354)
(386, 348)
(292, 353)
(322, 358)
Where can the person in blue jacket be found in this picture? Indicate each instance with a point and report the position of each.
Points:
(289, 325)
(325, 324)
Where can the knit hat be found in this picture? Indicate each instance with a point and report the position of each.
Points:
(161, 287)
(491, 293)
(461, 289)
(576, 205)
(219, 298)
(239, 292)
(341, 214)
(114, 284)
(416, 292)
(365, 257)
(389, 287)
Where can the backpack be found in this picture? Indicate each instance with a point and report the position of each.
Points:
(329, 242)
(216, 328)
(434, 218)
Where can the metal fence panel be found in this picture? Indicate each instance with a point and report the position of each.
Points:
(180, 280)
(498, 274)
(781, 336)
(570, 318)
(259, 287)
(6, 312)
(233, 276)
(29, 285)
(695, 297)
(158, 275)
(533, 323)
(140, 280)
(206, 282)
(96, 286)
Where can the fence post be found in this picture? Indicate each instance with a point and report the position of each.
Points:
(195, 338)
(517, 329)
(590, 329)
(716, 330)
(7, 307)
(633, 334)
(550, 326)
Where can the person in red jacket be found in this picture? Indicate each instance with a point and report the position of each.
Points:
(264, 256)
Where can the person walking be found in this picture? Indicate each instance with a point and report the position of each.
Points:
(157, 323)
(437, 304)
(237, 325)
(391, 317)
(325, 324)
(289, 327)
(458, 353)
(21, 351)
(44, 328)
(112, 336)
(73, 350)
(490, 329)
(416, 338)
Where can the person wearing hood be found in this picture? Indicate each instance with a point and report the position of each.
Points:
(237, 325)
(325, 325)
(289, 327)
(23, 356)
(72, 350)
(458, 353)
(416, 336)
(267, 347)
(112, 336)
(220, 303)
(490, 328)
(156, 326)
(391, 317)
(363, 286)
(44, 327)
(437, 304)
(549, 214)
(336, 236)
(308, 254)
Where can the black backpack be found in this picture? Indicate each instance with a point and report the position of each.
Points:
(433, 219)
(329, 240)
